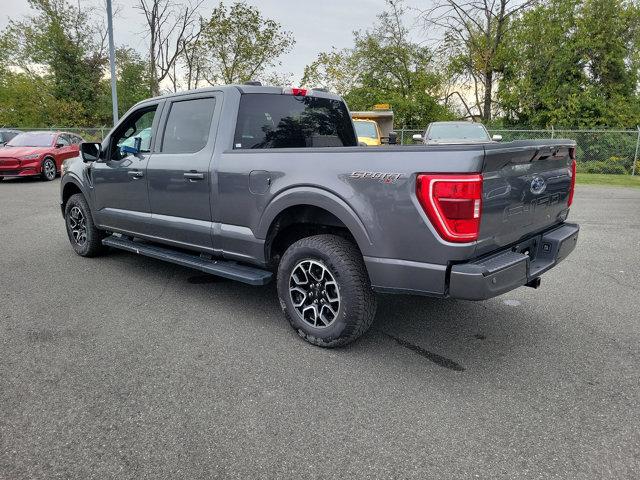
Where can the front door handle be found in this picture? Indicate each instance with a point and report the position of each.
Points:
(135, 174)
(194, 176)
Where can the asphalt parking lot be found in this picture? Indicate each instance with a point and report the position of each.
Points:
(126, 367)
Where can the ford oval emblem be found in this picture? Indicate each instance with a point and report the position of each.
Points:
(538, 185)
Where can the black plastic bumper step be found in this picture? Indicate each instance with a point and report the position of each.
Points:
(222, 268)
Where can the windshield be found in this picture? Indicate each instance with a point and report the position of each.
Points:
(366, 129)
(457, 131)
(32, 140)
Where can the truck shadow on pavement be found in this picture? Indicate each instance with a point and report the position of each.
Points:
(448, 333)
(451, 334)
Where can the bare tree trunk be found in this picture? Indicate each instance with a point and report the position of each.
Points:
(153, 77)
(468, 20)
(488, 89)
(171, 27)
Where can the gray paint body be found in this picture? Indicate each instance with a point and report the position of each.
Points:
(229, 211)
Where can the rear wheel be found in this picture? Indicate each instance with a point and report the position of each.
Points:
(85, 238)
(324, 290)
(48, 169)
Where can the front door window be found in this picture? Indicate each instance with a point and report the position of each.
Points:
(138, 125)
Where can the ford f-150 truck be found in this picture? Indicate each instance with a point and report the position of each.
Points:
(256, 183)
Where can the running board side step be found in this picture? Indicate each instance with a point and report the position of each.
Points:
(221, 268)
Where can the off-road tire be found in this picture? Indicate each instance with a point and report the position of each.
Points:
(357, 305)
(92, 246)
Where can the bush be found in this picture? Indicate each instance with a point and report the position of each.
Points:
(602, 167)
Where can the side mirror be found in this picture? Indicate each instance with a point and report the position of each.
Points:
(393, 138)
(417, 138)
(90, 152)
(497, 138)
(59, 145)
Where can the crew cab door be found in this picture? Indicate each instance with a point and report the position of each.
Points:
(119, 179)
(179, 173)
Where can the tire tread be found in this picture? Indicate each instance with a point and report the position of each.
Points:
(363, 298)
(94, 235)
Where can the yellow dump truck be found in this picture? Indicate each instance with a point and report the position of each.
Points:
(368, 132)
(380, 118)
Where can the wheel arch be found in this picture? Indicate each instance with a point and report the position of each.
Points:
(307, 210)
(69, 188)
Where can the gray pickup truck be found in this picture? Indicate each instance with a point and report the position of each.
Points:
(253, 182)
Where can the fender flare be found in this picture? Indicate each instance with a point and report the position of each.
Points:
(315, 197)
(72, 178)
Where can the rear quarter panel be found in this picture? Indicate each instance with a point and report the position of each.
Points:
(387, 219)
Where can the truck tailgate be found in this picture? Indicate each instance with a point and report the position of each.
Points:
(526, 189)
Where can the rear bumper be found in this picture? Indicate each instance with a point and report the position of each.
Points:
(507, 269)
(480, 279)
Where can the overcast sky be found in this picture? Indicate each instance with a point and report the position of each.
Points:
(316, 25)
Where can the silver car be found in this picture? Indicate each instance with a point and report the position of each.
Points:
(449, 133)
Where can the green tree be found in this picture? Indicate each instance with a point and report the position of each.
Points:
(384, 66)
(241, 45)
(575, 63)
(26, 101)
(132, 81)
(132, 78)
(336, 70)
(476, 33)
(59, 39)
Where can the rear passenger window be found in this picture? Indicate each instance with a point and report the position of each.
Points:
(283, 121)
(188, 126)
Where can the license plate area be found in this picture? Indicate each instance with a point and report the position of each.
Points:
(529, 247)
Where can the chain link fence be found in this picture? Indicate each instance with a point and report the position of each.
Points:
(598, 151)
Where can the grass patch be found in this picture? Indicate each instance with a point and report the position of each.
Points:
(604, 179)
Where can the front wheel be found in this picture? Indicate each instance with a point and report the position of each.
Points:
(48, 169)
(85, 238)
(324, 290)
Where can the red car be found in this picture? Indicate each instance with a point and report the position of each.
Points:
(37, 153)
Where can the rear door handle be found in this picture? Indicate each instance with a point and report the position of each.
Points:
(194, 176)
(136, 174)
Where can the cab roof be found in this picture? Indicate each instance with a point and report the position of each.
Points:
(243, 89)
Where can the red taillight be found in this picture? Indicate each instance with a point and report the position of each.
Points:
(573, 181)
(453, 203)
(296, 92)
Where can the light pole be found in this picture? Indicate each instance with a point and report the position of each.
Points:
(112, 64)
